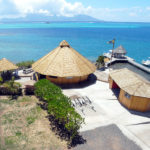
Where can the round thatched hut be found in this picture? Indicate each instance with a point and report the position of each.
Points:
(6, 65)
(119, 52)
(64, 65)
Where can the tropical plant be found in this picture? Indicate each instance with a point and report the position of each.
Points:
(100, 61)
(12, 86)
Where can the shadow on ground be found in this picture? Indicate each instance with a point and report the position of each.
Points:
(106, 138)
(116, 92)
(61, 131)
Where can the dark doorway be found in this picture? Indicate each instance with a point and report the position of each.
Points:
(115, 89)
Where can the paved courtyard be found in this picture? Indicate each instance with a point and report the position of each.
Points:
(106, 110)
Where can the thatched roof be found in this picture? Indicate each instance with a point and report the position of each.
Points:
(120, 50)
(6, 65)
(64, 61)
(131, 82)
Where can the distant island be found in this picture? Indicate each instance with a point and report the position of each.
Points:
(42, 17)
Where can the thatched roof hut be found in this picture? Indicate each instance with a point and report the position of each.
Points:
(134, 90)
(131, 82)
(119, 51)
(6, 65)
(64, 62)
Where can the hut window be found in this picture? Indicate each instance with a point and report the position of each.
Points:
(127, 95)
(53, 77)
(69, 77)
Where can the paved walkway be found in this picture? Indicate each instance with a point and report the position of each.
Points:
(107, 110)
(106, 138)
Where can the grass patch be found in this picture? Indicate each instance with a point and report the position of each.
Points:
(25, 99)
(38, 108)
(18, 122)
(18, 133)
(6, 101)
(30, 119)
(10, 142)
(7, 118)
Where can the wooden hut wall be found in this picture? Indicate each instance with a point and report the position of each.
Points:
(134, 103)
(124, 100)
(110, 82)
(140, 104)
(63, 80)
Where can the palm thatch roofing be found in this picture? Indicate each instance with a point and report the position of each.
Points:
(64, 61)
(120, 50)
(131, 83)
(7, 65)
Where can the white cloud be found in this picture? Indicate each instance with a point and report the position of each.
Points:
(17, 8)
(51, 7)
(14, 8)
(132, 14)
(147, 8)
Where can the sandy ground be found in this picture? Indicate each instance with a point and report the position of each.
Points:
(106, 109)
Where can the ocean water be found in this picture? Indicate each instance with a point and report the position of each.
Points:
(31, 41)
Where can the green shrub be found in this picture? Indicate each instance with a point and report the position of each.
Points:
(46, 90)
(59, 106)
(62, 110)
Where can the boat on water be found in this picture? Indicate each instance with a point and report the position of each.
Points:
(146, 62)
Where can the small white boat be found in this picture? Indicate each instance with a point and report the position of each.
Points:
(146, 62)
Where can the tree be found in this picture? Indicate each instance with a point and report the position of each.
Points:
(100, 62)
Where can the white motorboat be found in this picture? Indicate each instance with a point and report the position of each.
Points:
(146, 62)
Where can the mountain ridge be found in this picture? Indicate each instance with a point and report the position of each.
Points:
(41, 17)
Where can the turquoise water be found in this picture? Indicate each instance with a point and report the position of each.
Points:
(30, 41)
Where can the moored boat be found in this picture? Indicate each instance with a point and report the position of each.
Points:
(146, 62)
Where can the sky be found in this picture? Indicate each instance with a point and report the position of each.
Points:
(107, 10)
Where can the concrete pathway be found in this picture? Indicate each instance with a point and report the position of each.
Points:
(106, 138)
(108, 110)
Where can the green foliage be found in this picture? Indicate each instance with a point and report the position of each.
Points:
(18, 133)
(1, 80)
(25, 64)
(59, 106)
(62, 110)
(12, 86)
(30, 119)
(100, 61)
(47, 90)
